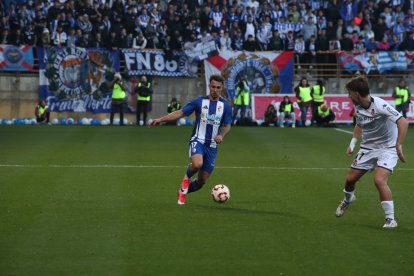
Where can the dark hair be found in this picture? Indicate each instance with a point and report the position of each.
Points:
(319, 82)
(358, 84)
(217, 78)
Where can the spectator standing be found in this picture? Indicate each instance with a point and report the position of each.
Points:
(276, 42)
(299, 50)
(118, 96)
(139, 42)
(318, 96)
(16, 37)
(29, 36)
(380, 29)
(303, 98)
(289, 41)
(402, 98)
(250, 44)
(225, 41)
(249, 28)
(242, 101)
(310, 48)
(237, 41)
(59, 37)
(349, 9)
(346, 43)
(309, 29)
(72, 38)
(384, 45)
(144, 91)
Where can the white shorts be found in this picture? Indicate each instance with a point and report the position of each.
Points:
(370, 159)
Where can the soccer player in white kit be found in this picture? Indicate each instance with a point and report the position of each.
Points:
(382, 131)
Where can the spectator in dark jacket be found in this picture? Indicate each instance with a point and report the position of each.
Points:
(250, 44)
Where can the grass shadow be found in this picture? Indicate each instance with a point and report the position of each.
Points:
(245, 211)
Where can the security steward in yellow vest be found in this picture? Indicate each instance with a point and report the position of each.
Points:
(42, 112)
(286, 111)
(241, 102)
(318, 96)
(402, 98)
(118, 98)
(144, 92)
(325, 116)
(173, 106)
(303, 98)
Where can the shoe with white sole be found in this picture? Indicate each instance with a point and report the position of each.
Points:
(390, 223)
(343, 206)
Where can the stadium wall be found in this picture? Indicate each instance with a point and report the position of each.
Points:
(19, 96)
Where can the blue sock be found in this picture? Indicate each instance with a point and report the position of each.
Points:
(189, 173)
(194, 186)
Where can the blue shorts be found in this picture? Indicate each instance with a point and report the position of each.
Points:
(209, 155)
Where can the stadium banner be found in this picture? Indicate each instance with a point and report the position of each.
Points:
(382, 61)
(73, 79)
(201, 49)
(348, 60)
(409, 55)
(16, 58)
(341, 105)
(265, 72)
(157, 63)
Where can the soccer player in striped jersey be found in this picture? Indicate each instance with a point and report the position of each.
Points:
(383, 130)
(213, 122)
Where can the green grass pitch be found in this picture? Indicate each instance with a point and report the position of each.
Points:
(102, 201)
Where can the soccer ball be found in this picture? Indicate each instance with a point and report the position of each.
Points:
(220, 193)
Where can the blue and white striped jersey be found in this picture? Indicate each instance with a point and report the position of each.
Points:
(210, 116)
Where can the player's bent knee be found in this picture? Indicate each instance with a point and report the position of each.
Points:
(197, 165)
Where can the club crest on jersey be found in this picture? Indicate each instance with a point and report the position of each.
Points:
(219, 108)
(372, 112)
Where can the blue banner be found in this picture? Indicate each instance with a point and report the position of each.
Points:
(16, 58)
(77, 79)
(157, 63)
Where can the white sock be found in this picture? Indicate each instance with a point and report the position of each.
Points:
(388, 207)
(348, 196)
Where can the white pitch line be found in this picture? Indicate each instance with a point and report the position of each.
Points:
(174, 166)
(346, 131)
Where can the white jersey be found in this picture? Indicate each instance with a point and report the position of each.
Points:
(378, 124)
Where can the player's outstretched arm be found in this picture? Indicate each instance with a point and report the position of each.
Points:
(169, 117)
(355, 137)
(402, 125)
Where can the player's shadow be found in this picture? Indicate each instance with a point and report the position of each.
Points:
(243, 211)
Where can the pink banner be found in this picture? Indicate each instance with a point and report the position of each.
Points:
(341, 105)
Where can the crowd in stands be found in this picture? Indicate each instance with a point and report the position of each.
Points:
(304, 26)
